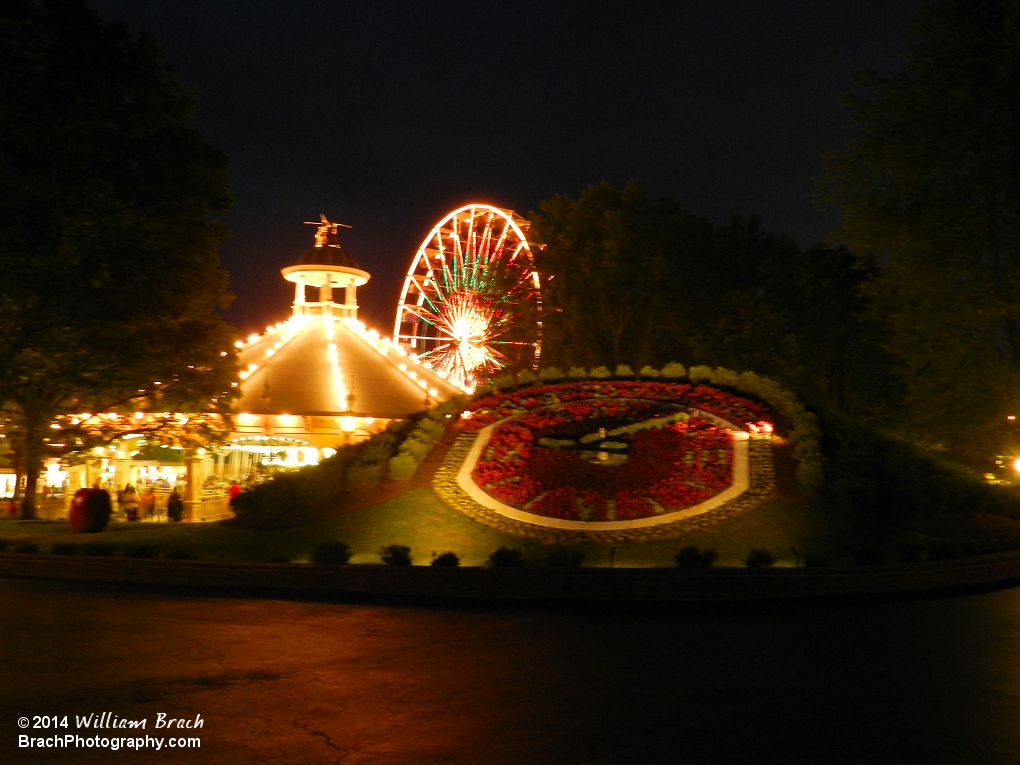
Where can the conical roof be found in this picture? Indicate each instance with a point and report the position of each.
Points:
(292, 372)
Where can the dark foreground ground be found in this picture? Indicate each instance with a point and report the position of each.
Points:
(927, 681)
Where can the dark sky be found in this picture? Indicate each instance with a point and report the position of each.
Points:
(386, 115)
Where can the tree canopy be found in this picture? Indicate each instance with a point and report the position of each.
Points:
(109, 228)
(929, 187)
(632, 280)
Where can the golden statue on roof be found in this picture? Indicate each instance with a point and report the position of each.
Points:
(325, 228)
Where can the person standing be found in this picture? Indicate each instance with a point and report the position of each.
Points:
(175, 506)
(148, 503)
(129, 502)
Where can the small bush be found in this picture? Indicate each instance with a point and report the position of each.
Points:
(181, 555)
(64, 548)
(647, 371)
(551, 374)
(674, 370)
(623, 370)
(504, 557)
(90, 511)
(363, 475)
(396, 555)
(526, 377)
(577, 373)
(446, 559)
(600, 372)
(141, 551)
(759, 558)
(692, 557)
(723, 376)
(564, 557)
(27, 547)
(504, 382)
(402, 467)
(331, 553)
(700, 373)
(104, 549)
(415, 447)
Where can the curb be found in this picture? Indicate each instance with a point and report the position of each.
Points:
(532, 584)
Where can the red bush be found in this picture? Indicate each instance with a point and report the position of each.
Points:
(90, 511)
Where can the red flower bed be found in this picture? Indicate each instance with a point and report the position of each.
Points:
(592, 475)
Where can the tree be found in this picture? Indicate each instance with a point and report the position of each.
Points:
(109, 207)
(609, 261)
(632, 280)
(929, 187)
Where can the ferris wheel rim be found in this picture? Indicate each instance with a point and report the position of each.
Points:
(465, 253)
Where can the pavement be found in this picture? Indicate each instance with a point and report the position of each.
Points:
(285, 682)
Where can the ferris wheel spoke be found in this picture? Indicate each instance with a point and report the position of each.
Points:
(470, 303)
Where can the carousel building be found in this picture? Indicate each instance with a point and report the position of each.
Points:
(320, 378)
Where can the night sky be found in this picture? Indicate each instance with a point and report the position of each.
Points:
(386, 115)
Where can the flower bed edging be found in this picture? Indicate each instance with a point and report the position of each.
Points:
(447, 487)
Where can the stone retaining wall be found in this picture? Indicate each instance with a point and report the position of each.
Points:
(582, 584)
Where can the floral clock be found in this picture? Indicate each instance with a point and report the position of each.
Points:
(597, 457)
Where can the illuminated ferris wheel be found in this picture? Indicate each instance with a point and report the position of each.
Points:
(471, 302)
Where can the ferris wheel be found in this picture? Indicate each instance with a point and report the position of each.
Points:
(471, 302)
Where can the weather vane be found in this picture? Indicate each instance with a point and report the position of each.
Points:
(325, 228)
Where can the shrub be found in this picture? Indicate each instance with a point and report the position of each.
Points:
(674, 370)
(692, 557)
(623, 370)
(90, 511)
(378, 448)
(446, 559)
(526, 377)
(181, 555)
(141, 551)
(504, 382)
(271, 501)
(550, 374)
(363, 475)
(403, 467)
(4, 541)
(647, 371)
(560, 556)
(331, 553)
(27, 547)
(599, 373)
(700, 373)
(64, 548)
(429, 429)
(759, 558)
(396, 555)
(504, 557)
(416, 448)
(103, 549)
(723, 376)
(577, 373)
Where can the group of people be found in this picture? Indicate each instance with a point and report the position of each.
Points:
(137, 506)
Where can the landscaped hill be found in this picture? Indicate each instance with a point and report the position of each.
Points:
(879, 500)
